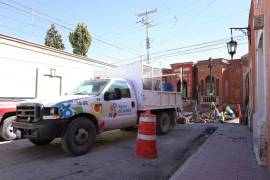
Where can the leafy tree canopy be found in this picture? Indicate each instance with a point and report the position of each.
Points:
(54, 39)
(80, 39)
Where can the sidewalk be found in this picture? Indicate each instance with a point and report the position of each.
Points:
(226, 155)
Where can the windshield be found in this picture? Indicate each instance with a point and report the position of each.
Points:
(92, 87)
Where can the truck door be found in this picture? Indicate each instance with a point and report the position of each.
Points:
(119, 113)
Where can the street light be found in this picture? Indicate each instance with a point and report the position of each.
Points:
(232, 45)
(210, 65)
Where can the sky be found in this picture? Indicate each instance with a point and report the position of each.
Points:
(182, 31)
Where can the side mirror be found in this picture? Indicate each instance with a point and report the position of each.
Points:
(107, 96)
(118, 93)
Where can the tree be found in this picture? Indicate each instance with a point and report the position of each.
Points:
(54, 39)
(80, 39)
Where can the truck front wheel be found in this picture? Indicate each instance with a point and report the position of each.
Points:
(163, 123)
(6, 129)
(41, 142)
(79, 136)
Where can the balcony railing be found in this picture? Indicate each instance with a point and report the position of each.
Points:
(209, 99)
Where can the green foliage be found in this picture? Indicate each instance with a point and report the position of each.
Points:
(80, 39)
(54, 39)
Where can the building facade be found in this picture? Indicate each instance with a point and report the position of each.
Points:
(259, 58)
(226, 87)
(185, 78)
(226, 84)
(29, 70)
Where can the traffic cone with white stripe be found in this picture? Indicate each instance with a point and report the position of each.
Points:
(146, 146)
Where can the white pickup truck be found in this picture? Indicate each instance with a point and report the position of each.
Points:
(113, 101)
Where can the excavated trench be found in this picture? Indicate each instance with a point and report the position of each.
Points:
(193, 147)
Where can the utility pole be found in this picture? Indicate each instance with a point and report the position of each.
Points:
(145, 21)
(33, 19)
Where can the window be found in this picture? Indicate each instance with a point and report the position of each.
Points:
(90, 87)
(123, 86)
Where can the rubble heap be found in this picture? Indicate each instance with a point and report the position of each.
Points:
(203, 117)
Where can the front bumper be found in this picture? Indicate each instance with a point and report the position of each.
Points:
(46, 129)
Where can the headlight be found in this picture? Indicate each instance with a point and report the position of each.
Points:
(50, 113)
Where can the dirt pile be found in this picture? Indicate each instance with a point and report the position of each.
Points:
(204, 117)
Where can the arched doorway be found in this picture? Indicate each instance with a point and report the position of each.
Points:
(208, 84)
(185, 89)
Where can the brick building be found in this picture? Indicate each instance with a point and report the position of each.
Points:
(184, 71)
(227, 81)
(259, 57)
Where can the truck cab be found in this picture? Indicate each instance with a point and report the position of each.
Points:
(101, 105)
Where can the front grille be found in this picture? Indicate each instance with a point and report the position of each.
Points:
(28, 112)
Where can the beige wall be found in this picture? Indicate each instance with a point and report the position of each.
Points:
(259, 52)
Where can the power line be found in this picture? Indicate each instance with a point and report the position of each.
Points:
(13, 29)
(20, 21)
(197, 48)
(42, 13)
(53, 20)
(195, 45)
(194, 50)
(29, 24)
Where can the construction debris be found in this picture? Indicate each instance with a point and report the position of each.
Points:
(203, 117)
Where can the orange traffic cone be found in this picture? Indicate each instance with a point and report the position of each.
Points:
(239, 111)
(146, 140)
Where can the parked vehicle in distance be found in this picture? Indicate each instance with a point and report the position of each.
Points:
(97, 106)
(7, 117)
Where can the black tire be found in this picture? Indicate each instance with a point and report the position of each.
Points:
(6, 129)
(79, 137)
(41, 142)
(163, 123)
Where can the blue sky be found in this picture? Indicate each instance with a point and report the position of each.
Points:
(177, 24)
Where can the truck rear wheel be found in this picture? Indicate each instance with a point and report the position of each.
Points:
(6, 129)
(163, 123)
(79, 136)
(41, 142)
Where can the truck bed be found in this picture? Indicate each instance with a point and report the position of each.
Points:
(147, 82)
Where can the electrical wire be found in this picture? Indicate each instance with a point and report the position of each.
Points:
(190, 51)
(194, 45)
(198, 51)
(196, 48)
(53, 20)
(187, 48)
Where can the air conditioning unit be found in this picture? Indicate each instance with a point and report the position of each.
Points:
(258, 22)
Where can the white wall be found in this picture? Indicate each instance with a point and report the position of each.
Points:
(22, 64)
(259, 117)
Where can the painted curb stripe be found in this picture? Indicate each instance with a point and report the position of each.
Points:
(147, 137)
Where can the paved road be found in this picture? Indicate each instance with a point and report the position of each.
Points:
(111, 158)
